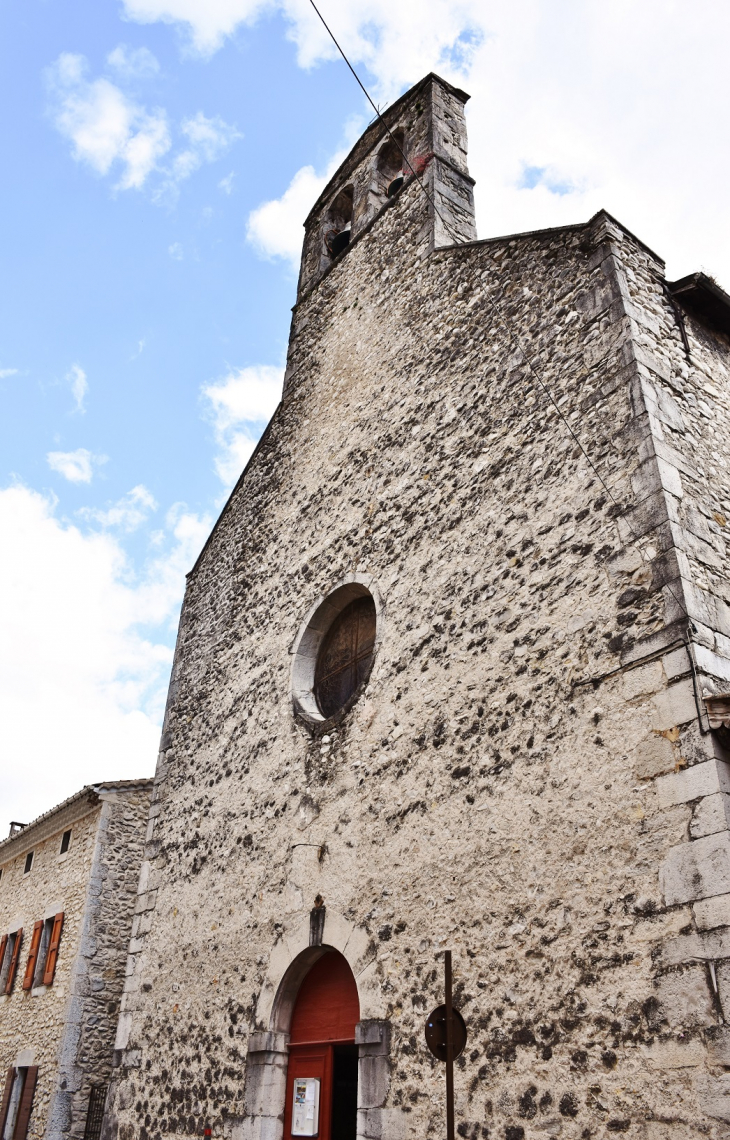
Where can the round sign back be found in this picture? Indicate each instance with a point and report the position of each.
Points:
(436, 1032)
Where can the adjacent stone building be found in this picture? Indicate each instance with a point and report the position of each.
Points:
(68, 884)
(450, 674)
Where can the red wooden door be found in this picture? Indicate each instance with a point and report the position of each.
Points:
(325, 1014)
(311, 1061)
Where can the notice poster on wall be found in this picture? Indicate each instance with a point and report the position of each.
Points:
(305, 1109)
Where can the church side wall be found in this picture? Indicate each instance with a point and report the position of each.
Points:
(482, 795)
(685, 390)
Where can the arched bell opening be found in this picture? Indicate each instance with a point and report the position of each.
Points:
(389, 172)
(338, 223)
(322, 1070)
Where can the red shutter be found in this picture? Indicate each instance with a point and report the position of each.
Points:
(9, 1080)
(35, 942)
(3, 944)
(26, 1103)
(14, 960)
(52, 954)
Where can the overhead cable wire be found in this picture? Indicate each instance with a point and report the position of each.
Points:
(361, 85)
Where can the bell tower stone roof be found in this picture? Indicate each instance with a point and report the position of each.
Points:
(421, 136)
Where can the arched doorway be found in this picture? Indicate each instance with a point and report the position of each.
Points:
(322, 1054)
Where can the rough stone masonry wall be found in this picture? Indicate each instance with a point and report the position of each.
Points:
(682, 513)
(69, 1027)
(34, 1019)
(85, 1057)
(478, 796)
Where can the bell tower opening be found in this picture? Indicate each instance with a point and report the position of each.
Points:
(389, 170)
(321, 1084)
(338, 228)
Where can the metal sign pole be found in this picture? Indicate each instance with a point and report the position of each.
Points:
(449, 1048)
(446, 1037)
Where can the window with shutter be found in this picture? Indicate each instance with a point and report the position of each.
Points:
(25, 1108)
(8, 943)
(11, 1103)
(30, 966)
(15, 955)
(7, 1093)
(53, 950)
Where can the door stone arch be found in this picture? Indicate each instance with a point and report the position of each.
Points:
(300, 946)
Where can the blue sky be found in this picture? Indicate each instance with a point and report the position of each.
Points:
(160, 157)
(148, 298)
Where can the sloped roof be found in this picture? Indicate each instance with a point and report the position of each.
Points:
(38, 828)
(704, 299)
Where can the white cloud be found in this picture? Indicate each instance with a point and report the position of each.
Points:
(87, 650)
(109, 131)
(133, 63)
(76, 466)
(578, 90)
(175, 251)
(209, 137)
(207, 141)
(274, 229)
(208, 21)
(127, 514)
(5, 372)
(239, 406)
(392, 40)
(105, 127)
(226, 184)
(77, 381)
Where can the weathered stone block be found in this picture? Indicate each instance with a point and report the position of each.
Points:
(710, 815)
(381, 1124)
(258, 1128)
(653, 756)
(685, 1000)
(373, 1081)
(675, 706)
(713, 1096)
(696, 870)
(718, 1047)
(692, 783)
(266, 1083)
(712, 912)
(677, 1054)
(646, 679)
(676, 664)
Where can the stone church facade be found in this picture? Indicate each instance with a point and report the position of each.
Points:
(450, 674)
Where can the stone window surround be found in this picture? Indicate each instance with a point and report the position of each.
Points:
(310, 636)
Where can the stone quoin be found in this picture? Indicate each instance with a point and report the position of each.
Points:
(517, 448)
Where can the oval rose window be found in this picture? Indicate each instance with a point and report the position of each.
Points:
(345, 656)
